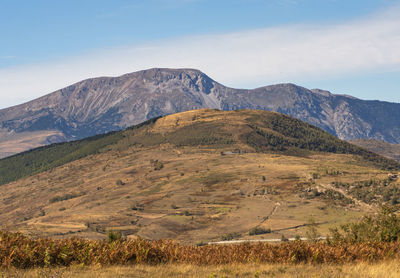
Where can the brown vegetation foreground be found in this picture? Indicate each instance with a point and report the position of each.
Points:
(387, 269)
(19, 251)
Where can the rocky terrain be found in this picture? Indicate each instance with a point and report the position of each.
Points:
(104, 104)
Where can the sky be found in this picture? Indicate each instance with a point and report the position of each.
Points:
(346, 47)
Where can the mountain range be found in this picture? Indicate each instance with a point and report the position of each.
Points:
(104, 104)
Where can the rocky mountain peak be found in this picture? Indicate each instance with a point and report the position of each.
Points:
(321, 92)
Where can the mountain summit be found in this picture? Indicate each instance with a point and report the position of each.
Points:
(103, 104)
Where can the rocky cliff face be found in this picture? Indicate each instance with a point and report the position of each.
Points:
(103, 104)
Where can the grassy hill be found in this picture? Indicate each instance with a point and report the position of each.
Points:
(195, 176)
(259, 131)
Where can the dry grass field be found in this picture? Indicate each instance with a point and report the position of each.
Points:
(191, 194)
(26, 140)
(197, 195)
(388, 269)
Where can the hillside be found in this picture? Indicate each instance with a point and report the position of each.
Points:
(195, 176)
(104, 104)
(254, 131)
(391, 151)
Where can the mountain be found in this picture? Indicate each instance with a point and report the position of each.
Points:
(99, 105)
(391, 151)
(197, 175)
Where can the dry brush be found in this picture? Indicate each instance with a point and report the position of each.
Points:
(20, 251)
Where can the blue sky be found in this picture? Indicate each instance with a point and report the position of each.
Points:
(343, 46)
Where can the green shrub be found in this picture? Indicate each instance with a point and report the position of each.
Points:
(113, 235)
(312, 232)
(136, 206)
(65, 197)
(157, 165)
(259, 231)
(384, 227)
(230, 236)
(201, 243)
(120, 182)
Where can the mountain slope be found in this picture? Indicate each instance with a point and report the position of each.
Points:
(196, 175)
(250, 130)
(391, 151)
(99, 105)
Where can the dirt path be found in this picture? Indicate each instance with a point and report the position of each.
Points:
(299, 226)
(277, 204)
(260, 240)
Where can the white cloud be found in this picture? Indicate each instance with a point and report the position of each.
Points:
(257, 57)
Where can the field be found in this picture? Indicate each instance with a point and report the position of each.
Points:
(387, 269)
(192, 198)
(26, 140)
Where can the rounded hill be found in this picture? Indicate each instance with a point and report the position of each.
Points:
(240, 130)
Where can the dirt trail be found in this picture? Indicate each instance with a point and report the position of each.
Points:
(260, 240)
(277, 204)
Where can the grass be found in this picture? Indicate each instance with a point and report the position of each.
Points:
(111, 206)
(387, 269)
(154, 189)
(214, 178)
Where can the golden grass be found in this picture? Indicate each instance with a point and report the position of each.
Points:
(387, 269)
(25, 141)
(192, 179)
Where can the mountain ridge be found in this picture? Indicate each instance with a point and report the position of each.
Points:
(99, 105)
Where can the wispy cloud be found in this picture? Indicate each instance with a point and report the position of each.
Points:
(257, 57)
